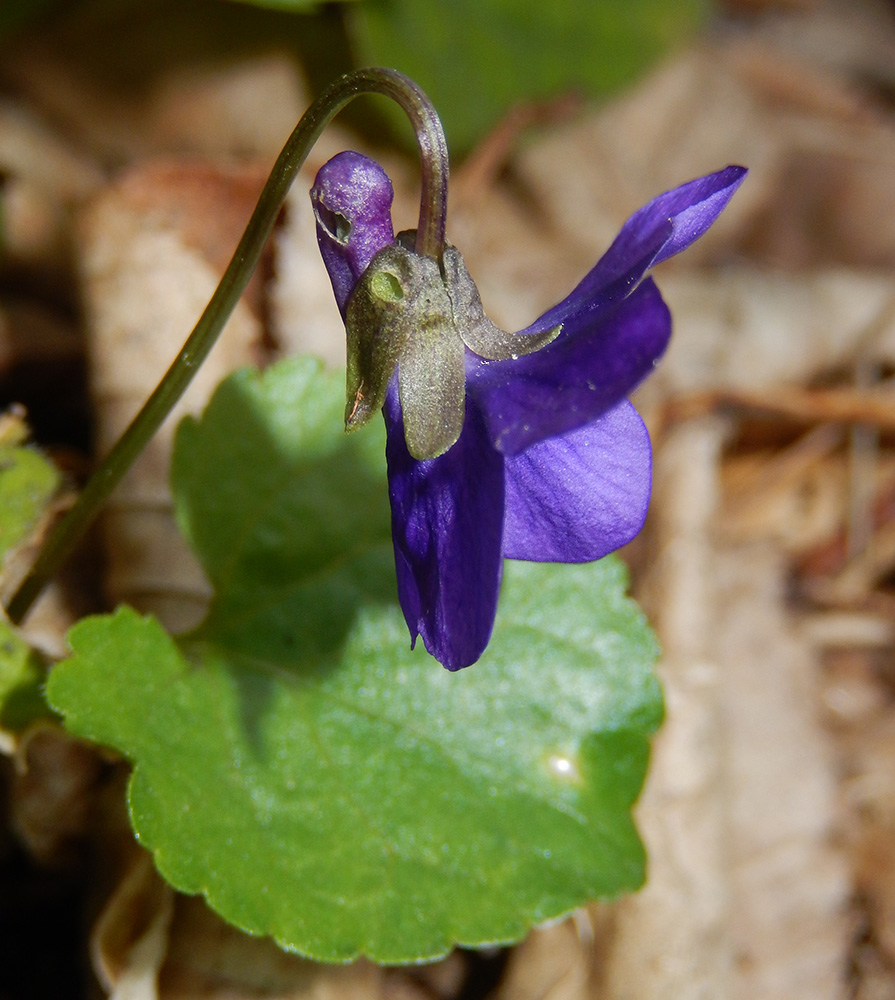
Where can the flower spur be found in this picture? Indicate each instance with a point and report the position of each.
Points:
(519, 446)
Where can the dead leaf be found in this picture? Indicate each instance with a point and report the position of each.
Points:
(746, 894)
(53, 794)
(129, 939)
(208, 958)
(552, 963)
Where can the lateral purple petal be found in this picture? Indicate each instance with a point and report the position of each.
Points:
(352, 199)
(576, 378)
(659, 230)
(580, 496)
(447, 527)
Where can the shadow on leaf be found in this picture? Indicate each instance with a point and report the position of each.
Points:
(290, 518)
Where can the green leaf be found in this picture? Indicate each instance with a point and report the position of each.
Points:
(27, 484)
(313, 777)
(479, 58)
(22, 675)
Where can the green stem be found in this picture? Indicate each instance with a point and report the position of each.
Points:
(430, 241)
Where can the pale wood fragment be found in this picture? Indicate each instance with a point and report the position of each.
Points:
(672, 938)
(747, 893)
(789, 888)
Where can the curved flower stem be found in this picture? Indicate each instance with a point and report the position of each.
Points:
(430, 241)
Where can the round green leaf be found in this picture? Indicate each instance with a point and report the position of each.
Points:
(313, 777)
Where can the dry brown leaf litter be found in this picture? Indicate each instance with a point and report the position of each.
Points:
(150, 256)
(770, 809)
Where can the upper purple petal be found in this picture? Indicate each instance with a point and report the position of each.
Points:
(576, 378)
(353, 188)
(662, 228)
(447, 528)
(692, 209)
(581, 495)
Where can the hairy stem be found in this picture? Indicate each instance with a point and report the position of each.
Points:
(430, 241)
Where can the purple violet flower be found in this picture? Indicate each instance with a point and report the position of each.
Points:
(548, 460)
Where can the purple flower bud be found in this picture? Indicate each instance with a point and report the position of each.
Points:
(352, 199)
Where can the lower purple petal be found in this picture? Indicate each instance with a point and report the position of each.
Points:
(447, 529)
(578, 497)
(575, 379)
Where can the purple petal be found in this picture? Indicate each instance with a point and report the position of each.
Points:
(447, 527)
(577, 497)
(664, 227)
(352, 198)
(576, 378)
(692, 209)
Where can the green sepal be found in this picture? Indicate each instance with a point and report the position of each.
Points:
(400, 315)
(479, 334)
(410, 314)
(432, 383)
(376, 331)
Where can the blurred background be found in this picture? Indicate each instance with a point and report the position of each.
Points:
(135, 136)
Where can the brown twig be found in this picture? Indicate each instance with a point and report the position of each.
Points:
(844, 405)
